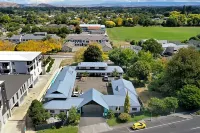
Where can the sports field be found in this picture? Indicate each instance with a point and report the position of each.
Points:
(160, 33)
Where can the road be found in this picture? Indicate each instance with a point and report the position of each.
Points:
(182, 126)
(16, 123)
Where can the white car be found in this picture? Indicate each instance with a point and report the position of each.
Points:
(75, 94)
(105, 78)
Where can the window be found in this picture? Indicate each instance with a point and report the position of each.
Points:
(52, 111)
(13, 63)
(134, 109)
(17, 95)
(118, 108)
(13, 100)
(62, 111)
(14, 70)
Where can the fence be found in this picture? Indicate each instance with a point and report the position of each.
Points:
(48, 126)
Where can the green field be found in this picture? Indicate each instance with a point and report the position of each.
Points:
(160, 33)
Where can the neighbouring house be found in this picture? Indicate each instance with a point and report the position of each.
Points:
(35, 36)
(135, 48)
(93, 28)
(18, 62)
(59, 96)
(97, 69)
(169, 48)
(81, 40)
(13, 89)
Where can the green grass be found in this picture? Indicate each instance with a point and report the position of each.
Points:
(160, 33)
(114, 121)
(67, 129)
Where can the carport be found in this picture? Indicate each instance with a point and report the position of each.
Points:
(93, 104)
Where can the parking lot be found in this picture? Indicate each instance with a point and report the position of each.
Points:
(93, 82)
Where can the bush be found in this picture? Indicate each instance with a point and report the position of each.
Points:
(124, 117)
(126, 77)
(110, 114)
(197, 113)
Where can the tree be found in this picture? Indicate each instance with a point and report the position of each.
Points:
(171, 22)
(156, 106)
(121, 57)
(93, 54)
(140, 70)
(62, 116)
(152, 46)
(171, 104)
(118, 21)
(7, 46)
(127, 104)
(73, 117)
(183, 69)
(133, 42)
(115, 73)
(78, 57)
(78, 29)
(37, 113)
(110, 24)
(26, 29)
(189, 97)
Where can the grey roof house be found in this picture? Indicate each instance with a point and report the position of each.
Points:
(59, 96)
(35, 36)
(81, 40)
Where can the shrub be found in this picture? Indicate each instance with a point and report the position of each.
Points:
(197, 113)
(124, 117)
(126, 77)
(110, 114)
(50, 65)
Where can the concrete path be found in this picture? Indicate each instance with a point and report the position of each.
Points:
(96, 128)
(16, 123)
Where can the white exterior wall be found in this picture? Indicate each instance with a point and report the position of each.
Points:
(113, 108)
(21, 67)
(57, 111)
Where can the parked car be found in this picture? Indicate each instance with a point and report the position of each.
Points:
(105, 78)
(75, 94)
(138, 125)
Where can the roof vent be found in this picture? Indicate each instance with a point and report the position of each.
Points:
(117, 88)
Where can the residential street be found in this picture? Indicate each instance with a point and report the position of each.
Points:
(180, 126)
(16, 123)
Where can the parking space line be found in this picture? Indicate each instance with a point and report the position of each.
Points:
(161, 126)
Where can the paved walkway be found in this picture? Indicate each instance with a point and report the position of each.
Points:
(16, 123)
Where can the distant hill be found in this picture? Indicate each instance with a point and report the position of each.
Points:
(44, 5)
(8, 4)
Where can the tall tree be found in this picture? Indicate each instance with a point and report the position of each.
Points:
(140, 70)
(127, 104)
(152, 46)
(93, 54)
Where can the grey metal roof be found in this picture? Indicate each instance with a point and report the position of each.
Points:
(92, 64)
(13, 83)
(93, 95)
(109, 69)
(122, 86)
(87, 37)
(116, 100)
(64, 83)
(63, 104)
(15, 37)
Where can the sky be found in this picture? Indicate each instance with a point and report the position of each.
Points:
(90, 1)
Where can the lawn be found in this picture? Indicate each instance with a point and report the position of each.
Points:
(160, 33)
(68, 129)
(114, 121)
